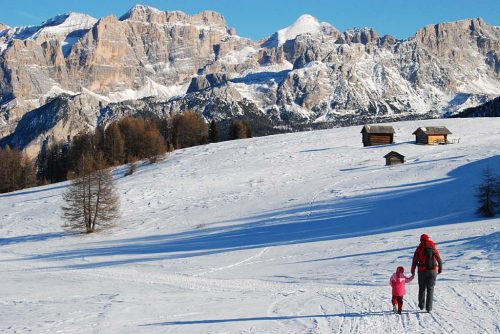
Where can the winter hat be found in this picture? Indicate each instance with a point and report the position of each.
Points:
(400, 270)
(424, 237)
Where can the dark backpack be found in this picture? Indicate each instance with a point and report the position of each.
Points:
(429, 257)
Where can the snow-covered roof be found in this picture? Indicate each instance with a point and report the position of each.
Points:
(394, 154)
(433, 130)
(386, 129)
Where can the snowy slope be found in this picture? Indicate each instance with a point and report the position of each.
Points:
(296, 233)
(68, 28)
(60, 25)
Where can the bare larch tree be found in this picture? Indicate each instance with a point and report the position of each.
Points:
(91, 198)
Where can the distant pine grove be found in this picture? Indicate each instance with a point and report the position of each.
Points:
(122, 142)
(488, 109)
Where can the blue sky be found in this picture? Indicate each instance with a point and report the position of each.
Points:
(258, 18)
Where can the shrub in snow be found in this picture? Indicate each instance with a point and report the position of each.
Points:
(132, 167)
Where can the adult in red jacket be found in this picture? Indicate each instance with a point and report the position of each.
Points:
(428, 260)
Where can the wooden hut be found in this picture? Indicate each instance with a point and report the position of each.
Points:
(432, 135)
(377, 135)
(394, 158)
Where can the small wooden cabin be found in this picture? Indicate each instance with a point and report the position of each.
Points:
(377, 135)
(394, 158)
(432, 135)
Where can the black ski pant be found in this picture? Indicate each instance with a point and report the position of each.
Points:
(398, 301)
(426, 282)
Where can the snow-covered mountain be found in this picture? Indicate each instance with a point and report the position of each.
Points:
(295, 233)
(303, 75)
(306, 24)
(58, 26)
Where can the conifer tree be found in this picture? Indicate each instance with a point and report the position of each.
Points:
(239, 130)
(213, 132)
(189, 129)
(488, 194)
(114, 145)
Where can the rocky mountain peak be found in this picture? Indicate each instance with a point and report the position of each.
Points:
(142, 13)
(211, 18)
(65, 24)
(388, 40)
(462, 40)
(68, 19)
(305, 24)
(450, 32)
(53, 28)
(361, 35)
(476, 23)
(3, 27)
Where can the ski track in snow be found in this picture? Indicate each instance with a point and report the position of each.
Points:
(230, 238)
(212, 270)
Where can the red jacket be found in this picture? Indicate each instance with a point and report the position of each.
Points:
(420, 258)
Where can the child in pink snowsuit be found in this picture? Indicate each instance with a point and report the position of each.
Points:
(398, 281)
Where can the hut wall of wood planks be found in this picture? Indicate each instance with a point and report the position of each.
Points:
(377, 135)
(432, 135)
(394, 158)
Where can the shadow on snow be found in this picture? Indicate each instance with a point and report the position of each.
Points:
(217, 321)
(392, 250)
(32, 238)
(448, 201)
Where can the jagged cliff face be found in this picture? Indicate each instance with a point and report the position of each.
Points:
(145, 47)
(146, 52)
(304, 74)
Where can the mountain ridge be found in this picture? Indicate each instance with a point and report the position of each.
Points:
(304, 74)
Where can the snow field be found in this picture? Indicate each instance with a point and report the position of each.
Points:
(295, 233)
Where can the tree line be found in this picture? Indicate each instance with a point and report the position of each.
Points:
(91, 199)
(16, 170)
(122, 142)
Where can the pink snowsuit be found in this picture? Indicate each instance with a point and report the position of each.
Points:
(398, 281)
